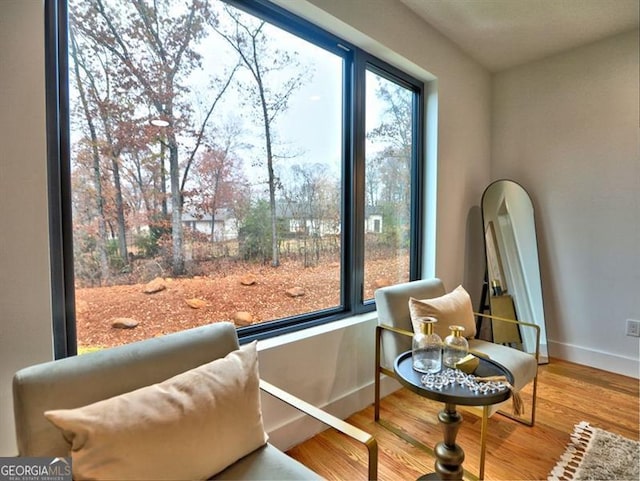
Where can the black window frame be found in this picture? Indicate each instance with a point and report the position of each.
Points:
(356, 62)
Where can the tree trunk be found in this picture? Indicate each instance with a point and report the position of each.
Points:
(122, 228)
(101, 241)
(143, 191)
(214, 199)
(163, 181)
(115, 167)
(275, 255)
(176, 209)
(213, 222)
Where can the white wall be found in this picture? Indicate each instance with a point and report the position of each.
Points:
(333, 369)
(25, 307)
(566, 128)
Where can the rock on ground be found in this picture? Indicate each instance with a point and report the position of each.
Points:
(124, 323)
(156, 285)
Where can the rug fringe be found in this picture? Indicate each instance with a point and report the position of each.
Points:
(579, 442)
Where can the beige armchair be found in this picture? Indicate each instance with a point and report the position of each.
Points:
(394, 333)
(153, 379)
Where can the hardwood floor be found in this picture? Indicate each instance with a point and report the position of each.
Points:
(567, 394)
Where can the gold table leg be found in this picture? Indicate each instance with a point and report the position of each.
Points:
(449, 456)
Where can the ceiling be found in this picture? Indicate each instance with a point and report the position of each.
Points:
(503, 33)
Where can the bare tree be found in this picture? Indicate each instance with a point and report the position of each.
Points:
(95, 156)
(314, 202)
(269, 90)
(219, 175)
(392, 165)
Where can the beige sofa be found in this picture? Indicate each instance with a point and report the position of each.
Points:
(81, 380)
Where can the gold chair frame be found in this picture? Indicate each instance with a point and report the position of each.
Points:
(530, 421)
(338, 424)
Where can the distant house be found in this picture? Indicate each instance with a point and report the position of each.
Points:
(225, 227)
(297, 219)
(301, 219)
(372, 220)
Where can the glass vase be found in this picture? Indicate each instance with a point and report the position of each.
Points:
(455, 347)
(426, 348)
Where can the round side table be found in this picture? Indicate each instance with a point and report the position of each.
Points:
(449, 455)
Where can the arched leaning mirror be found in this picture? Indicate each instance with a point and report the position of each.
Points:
(513, 270)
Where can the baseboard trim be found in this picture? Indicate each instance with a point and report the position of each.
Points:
(300, 427)
(606, 361)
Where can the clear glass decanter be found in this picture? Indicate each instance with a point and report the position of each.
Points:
(455, 347)
(426, 347)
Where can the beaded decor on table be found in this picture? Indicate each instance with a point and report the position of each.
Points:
(477, 385)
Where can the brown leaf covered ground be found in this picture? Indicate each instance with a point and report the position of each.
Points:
(223, 294)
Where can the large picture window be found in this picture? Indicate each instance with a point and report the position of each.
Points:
(215, 153)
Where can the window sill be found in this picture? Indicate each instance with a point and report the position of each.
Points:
(292, 337)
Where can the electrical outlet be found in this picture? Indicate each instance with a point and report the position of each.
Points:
(633, 328)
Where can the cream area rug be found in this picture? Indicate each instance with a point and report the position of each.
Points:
(596, 454)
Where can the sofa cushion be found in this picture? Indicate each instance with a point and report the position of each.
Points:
(522, 365)
(190, 426)
(267, 463)
(450, 309)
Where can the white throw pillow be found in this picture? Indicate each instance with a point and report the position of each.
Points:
(453, 309)
(188, 427)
